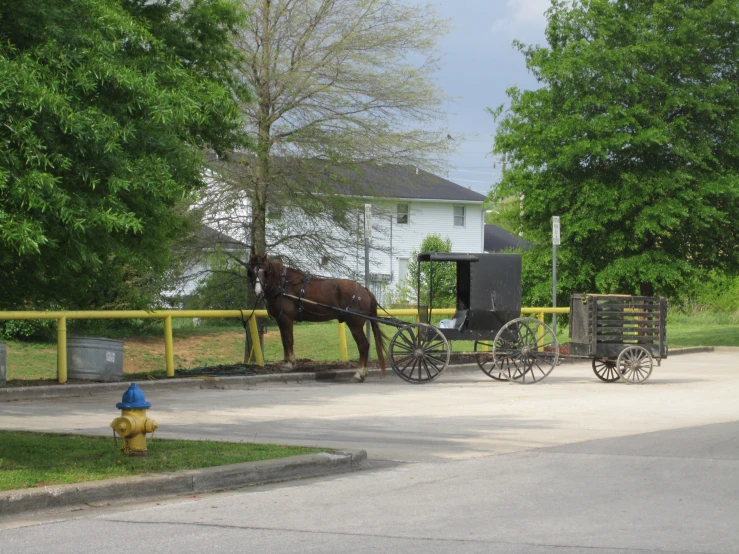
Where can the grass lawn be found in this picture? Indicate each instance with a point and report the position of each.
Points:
(210, 346)
(38, 459)
(703, 330)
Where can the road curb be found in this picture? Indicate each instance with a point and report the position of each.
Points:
(70, 391)
(691, 350)
(142, 487)
(67, 391)
(187, 383)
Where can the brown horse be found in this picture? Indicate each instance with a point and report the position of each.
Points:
(290, 295)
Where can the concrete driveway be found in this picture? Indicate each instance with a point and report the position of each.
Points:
(570, 465)
(462, 415)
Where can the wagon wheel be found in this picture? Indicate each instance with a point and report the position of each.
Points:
(606, 370)
(525, 350)
(419, 353)
(634, 364)
(484, 359)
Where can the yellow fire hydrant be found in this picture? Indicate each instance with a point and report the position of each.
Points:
(133, 424)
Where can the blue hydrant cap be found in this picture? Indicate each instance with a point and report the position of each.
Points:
(133, 399)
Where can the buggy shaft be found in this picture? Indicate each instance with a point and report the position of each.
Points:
(385, 320)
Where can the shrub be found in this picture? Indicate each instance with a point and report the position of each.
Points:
(27, 329)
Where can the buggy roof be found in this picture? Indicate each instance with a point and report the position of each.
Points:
(447, 257)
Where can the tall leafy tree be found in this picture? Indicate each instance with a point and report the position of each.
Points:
(105, 107)
(633, 138)
(444, 283)
(337, 83)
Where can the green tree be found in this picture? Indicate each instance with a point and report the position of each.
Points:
(444, 277)
(105, 108)
(631, 138)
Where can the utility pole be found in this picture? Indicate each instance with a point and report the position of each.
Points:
(367, 240)
(555, 242)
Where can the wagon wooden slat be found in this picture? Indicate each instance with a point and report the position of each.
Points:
(622, 334)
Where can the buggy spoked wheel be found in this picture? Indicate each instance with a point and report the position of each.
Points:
(525, 350)
(485, 360)
(634, 364)
(606, 370)
(419, 353)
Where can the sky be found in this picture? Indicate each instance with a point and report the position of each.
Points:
(479, 64)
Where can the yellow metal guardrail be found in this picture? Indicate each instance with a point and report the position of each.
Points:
(167, 315)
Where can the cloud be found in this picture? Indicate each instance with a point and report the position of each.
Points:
(522, 17)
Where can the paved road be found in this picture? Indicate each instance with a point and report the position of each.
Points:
(569, 465)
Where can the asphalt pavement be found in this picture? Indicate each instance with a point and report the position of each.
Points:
(465, 464)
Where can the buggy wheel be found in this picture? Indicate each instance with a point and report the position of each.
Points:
(525, 350)
(419, 353)
(634, 364)
(484, 359)
(606, 370)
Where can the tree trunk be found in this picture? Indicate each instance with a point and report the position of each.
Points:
(264, 139)
(646, 289)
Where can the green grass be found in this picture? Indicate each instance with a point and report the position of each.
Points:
(31, 360)
(703, 329)
(37, 459)
(688, 334)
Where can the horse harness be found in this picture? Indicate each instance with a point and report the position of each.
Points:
(301, 295)
(281, 292)
(355, 296)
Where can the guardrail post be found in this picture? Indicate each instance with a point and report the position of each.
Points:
(343, 353)
(258, 357)
(168, 346)
(61, 349)
(540, 332)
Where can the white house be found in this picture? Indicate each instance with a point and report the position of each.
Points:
(407, 205)
(205, 243)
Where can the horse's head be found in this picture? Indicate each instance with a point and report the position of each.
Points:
(258, 272)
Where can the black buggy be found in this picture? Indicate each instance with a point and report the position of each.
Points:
(622, 335)
(488, 309)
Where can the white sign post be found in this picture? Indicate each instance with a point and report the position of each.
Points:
(367, 240)
(368, 223)
(555, 243)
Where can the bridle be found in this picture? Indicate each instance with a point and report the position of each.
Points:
(261, 282)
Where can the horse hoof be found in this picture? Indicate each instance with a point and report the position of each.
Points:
(358, 379)
(287, 368)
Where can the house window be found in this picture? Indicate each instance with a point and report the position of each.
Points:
(274, 212)
(402, 269)
(459, 216)
(403, 210)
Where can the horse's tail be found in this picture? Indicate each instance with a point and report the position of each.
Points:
(380, 336)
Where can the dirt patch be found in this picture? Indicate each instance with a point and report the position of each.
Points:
(147, 353)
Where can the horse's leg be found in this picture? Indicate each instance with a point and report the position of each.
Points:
(286, 335)
(356, 326)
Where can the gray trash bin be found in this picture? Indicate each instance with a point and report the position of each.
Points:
(94, 359)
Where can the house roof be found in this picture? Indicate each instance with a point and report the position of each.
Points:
(208, 237)
(371, 180)
(498, 239)
(403, 181)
